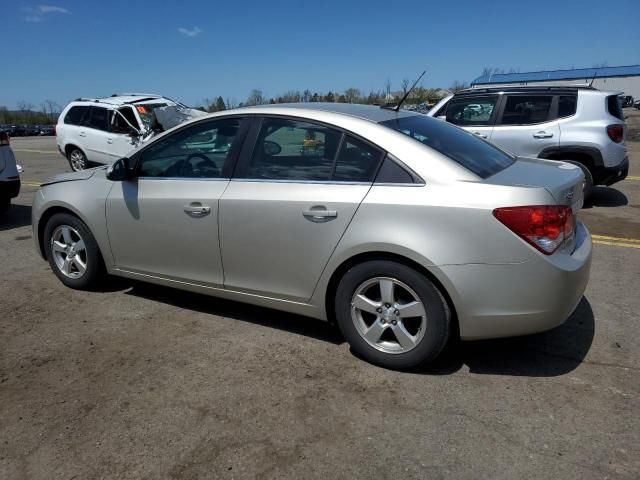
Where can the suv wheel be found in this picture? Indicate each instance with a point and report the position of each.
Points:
(587, 187)
(72, 251)
(392, 315)
(77, 159)
(5, 203)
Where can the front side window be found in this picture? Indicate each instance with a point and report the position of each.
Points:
(526, 109)
(464, 148)
(294, 150)
(98, 119)
(198, 151)
(123, 120)
(475, 111)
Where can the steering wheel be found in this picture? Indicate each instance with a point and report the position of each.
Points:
(188, 169)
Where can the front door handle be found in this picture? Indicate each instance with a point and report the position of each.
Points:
(480, 134)
(319, 213)
(83, 134)
(109, 140)
(543, 134)
(196, 209)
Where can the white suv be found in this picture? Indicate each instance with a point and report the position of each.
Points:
(581, 125)
(102, 130)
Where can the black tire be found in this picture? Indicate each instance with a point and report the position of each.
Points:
(92, 258)
(77, 159)
(5, 203)
(587, 189)
(437, 329)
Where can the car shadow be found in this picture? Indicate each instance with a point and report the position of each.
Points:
(605, 197)
(548, 354)
(266, 317)
(17, 216)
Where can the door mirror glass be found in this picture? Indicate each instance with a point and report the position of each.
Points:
(120, 170)
(271, 148)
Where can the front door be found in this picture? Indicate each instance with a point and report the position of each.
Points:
(289, 205)
(164, 222)
(473, 113)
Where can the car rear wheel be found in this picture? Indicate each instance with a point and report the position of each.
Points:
(77, 159)
(5, 203)
(392, 315)
(587, 186)
(72, 251)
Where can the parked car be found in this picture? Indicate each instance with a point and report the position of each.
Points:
(47, 130)
(9, 175)
(101, 130)
(581, 125)
(401, 228)
(626, 101)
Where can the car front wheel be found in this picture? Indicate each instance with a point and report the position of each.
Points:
(72, 251)
(391, 314)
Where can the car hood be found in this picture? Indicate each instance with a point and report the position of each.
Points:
(73, 176)
(562, 180)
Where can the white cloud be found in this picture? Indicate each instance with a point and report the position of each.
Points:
(190, 32)
(39, 13)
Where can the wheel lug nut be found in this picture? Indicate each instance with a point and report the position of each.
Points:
(394, 322)
(397, 312)
(387, 305)
(379, 310)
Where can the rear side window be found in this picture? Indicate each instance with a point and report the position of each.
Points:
(476, 111)
(74, 115)
(391, 172)
(357, 162)
(526, 109)
(567, 105)
(613, 106)
(464, 148)
(98, 119)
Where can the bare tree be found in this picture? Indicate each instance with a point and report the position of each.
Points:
(405, 84)
(457, 86)
(387, 88)
(352, 95)
(255, 98)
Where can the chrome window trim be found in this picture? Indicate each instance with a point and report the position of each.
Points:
(320, 182)
(198, 179)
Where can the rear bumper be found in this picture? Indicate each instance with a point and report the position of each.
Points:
(610, 175)
(10, 188)
(509, 300)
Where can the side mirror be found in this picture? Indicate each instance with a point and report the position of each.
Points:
(120, 170)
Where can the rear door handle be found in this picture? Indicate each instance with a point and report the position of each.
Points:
(319, 213)
(480, 134)
(83, 134)
(543, 134)
(109, 140)
(196, 209)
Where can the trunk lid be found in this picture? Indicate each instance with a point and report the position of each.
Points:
(562, 180)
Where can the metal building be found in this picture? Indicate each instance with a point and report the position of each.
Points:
(619, 79)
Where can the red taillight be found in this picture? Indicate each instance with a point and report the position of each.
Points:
(545, 227)
(4, 138)
(615, 132)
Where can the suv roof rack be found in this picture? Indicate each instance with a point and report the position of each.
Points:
(136, 95)
(549, 88)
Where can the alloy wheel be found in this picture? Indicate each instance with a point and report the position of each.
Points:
(69, 251)
(77, 160)
(388, 315)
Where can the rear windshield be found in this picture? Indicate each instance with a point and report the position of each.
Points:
(462, 147)
(613, 105)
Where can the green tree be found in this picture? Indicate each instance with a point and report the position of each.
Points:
(352, 95)
(220, 105)
(330, 97)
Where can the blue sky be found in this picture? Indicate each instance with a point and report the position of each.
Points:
(190, 50)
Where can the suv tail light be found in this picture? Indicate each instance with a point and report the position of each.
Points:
(4, 138)
(546, 227)
(615, 132)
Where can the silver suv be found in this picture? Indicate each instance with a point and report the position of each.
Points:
(578, 124)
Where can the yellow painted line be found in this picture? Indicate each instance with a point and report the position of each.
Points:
(633, 178)
(30, 184)
(45, 152)
(615, 239)
(616, 244)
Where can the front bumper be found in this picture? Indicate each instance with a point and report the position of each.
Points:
(610, 175)
(10, 188)
(509, 300)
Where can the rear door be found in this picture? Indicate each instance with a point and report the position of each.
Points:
(475, 113)
(94, 133)
(527, 124)
(297, 187)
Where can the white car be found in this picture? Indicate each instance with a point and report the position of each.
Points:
(102, 130)
(9, 173)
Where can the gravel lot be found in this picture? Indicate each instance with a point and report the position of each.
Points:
(139, 381)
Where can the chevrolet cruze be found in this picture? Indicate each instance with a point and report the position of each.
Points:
(400, 228)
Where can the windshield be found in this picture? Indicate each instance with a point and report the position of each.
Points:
(462, 147)
(145, 112)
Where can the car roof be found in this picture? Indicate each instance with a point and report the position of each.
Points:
(372, 113)
(124, 99)
(557, 89)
